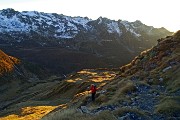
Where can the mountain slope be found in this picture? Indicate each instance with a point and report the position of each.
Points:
(7, 63)
(111, 43)
(61, 26)
(15, 77)
(46, 29)
(146, 88)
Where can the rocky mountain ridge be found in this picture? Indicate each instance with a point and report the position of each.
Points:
(111, 43)
(46, 29)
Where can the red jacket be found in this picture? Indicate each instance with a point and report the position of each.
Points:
(93, 89)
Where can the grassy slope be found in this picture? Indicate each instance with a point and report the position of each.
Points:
(16, 89)
(157, 69)
(7, 63)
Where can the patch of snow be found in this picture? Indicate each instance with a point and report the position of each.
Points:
(81, 21)
(71, 26)
(136, 34)
(130, 28)
(125, 23)
(34, 27)
(52, 17)
(45, 17)
(61, 27)
(39, 20)
(65, 26)
(100, 21)
(49, 23)
(29, 13)
(12, 24)
(113, 27)
(24, 17)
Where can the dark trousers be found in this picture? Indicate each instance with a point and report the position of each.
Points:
(93, 96)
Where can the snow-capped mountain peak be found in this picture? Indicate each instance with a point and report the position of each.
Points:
(21, 26)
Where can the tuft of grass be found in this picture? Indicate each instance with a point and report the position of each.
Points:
(121, 111)
(105, 115)
(66, 114)
(74, 114)
(168, 106)
(117, 92)
(102, 99)
(173, 85)
(128, 87)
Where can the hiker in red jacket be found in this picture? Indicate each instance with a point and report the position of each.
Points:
(93, 90)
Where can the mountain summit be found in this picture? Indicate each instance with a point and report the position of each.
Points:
(54, 26)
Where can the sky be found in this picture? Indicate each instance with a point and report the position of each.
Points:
(157, 13)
